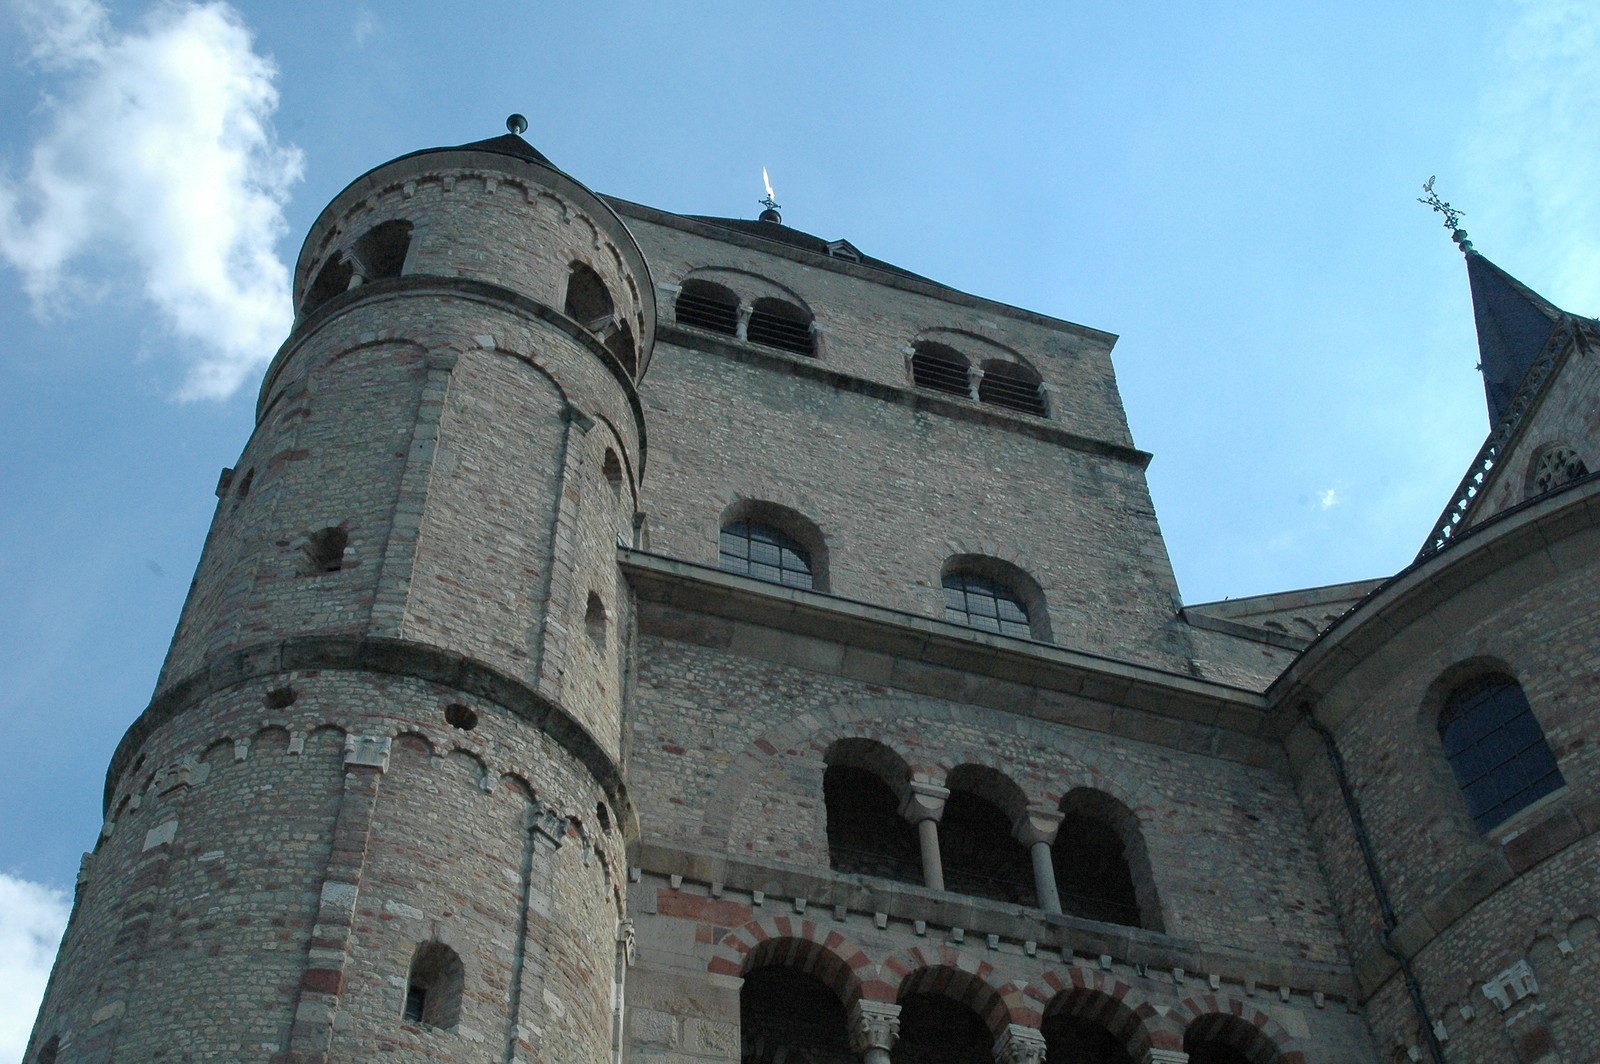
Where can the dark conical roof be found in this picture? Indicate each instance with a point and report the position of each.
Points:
(1514, 324)
(509, 144)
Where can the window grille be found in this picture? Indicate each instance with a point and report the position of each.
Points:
(1496, 749)
(774, 323)
(1556, 467)
(1011, 387)
(702, 305)
(985, 604)
(941, 369)
(764, 553)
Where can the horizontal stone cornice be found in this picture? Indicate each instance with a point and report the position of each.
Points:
(391, 657)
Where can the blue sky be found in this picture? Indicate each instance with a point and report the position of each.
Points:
(1229, 187)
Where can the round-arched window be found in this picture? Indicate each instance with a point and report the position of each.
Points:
(765, 553)
(986, 604)
(1496, 749)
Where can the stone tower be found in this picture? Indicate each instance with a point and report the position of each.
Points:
(383, 749)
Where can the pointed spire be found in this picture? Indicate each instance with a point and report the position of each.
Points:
(1514, 322)
(1514, 325)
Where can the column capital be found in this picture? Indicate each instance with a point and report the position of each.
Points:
(1164, 1056)
(1020, 1045)
(1038, 824)
(923, 801)
(873, 1025)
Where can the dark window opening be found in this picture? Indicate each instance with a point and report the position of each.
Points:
(789, 1016)
(1074, 1040)
(620, 344)
(50, 1051)
(866, 833)
(588, 300)
(459, 716)
(774, 323)
(938, 1030)
(325, 550)
(381, 252)
(703, 305)
(979, 602)
(1216, 1053)
(1012, 386)
(940, 368)
(594, 620)
(1225, 1039)
(603, 815)
(1497, 750)
(246, 483)
(980, 855)
(1092, 871)
(611, 469)
(764, 553)
(332, 280)
(433, 987)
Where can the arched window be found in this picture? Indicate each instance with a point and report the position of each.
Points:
(1496, 749)
(941, 368)
(381, 251)
(433, 986)
(332, 280)
(1013, 386)
(1216, 1038)
(935, 1029)
(787, 1015)
(588, 300)
(1076, 1040)
(620, 344)
(1092, 866)
(774, 323)
(980, 602)
(1553, 467)
(765, 553)
(49, 1052)
(703, 305)
(325, 551)
(866, 833)
(980, 854)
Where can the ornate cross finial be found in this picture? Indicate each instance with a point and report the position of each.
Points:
(1452, 217)
(768, 202)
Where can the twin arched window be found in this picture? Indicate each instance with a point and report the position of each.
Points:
(997, 382)
(1496, 749)
(380, 253)
(770, 322)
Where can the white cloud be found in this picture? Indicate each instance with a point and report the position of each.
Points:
(158, 163)
(1534, 161)
(32, 918)
(366, 26)
(1328, 499)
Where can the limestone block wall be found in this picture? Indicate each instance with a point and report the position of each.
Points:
(728, 749)
(1516, 598)
(897, 491)
(268, 870)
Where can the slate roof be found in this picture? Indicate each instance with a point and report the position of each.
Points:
(1514, 325)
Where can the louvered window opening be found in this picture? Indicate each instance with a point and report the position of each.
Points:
(981, 603)
(713, 315)
(1497, 750)
(940, 373)
(764, 553)
(786, 334)
(1014, 393)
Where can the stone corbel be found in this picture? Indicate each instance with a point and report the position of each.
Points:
(1038, 824)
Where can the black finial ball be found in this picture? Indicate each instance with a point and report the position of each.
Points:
(517, 124)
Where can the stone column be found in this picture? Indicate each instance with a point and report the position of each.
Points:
(1037, 831)
(874, 1026)
(923, 806)
(974, 380)
(741, 328)
(1020, 1045)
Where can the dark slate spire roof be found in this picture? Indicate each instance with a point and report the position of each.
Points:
(1514, 324)
(509, 144)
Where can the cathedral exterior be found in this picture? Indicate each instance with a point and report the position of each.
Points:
(629, 636)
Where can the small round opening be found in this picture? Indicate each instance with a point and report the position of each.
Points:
(459, 716)
(280, 697)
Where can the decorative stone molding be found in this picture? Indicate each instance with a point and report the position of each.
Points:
(1019, 1045)
(1038, 825)
(367, 751)
(627, 941)
(924, 801)
(548, 823)
(873, 1025)
(1512, 985)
